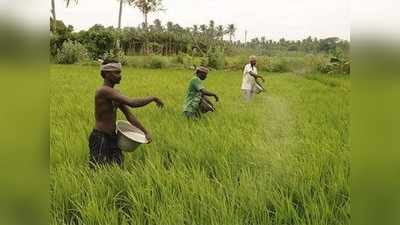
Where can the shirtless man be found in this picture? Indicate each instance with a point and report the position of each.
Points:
(103, 139)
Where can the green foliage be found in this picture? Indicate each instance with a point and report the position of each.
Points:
(58, 36)
(293, 48)
(116, 54)
(205, 40)
(71, 52)
(136, 61)
(328, 44)
(158, 62)
(98, 40)
(235, 63)
(336, 67)
(204, 45)
(280, 65)
(338, 64)
(187, 61)
(308, 64)
(314, 63)
(216, 58)
(204, 61)
(146, 7)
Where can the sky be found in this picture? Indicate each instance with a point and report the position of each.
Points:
(289, 19)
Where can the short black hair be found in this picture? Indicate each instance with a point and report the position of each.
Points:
(107, 61)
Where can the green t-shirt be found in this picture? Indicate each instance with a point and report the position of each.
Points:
(193, 95)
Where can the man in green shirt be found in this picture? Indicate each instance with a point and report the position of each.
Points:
(196, 92)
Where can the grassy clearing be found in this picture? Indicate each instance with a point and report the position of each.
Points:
(283, 159)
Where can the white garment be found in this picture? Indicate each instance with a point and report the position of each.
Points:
(248, 80)
(248, 95)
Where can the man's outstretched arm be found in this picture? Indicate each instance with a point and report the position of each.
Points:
(208, 93)
(140, 102)
(114, 95)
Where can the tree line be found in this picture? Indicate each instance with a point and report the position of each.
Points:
(173, 39)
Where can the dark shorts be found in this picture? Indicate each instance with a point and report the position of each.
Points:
(104, 149)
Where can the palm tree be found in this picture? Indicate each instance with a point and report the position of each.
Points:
(120, 13)
(211, 29)
(220, 32)
(119, 23)
(146, 7)
(231, 29)
(203, 28)
(53, 10)
(195, 29)
(68, 2)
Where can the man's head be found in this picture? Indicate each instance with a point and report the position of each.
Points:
(111, 71)
(202, 72)
(253, 60)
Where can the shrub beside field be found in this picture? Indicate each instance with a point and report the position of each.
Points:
(282, 159)
(309, 64)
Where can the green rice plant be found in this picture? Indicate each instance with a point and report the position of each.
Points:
(283, 158)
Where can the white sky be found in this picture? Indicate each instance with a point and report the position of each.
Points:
(290, 19)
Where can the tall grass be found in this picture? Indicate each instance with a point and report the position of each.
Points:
(281, 159)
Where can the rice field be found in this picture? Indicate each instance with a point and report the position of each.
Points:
(284, 158)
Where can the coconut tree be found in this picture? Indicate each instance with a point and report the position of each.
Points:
(203, 28)
(121, 2)
(53, 10)
(69, 2)
(146, 7)
(220, 32)
(231, 30)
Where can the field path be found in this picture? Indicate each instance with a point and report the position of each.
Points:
(277, 120)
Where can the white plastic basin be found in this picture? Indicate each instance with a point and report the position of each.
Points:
(129, 137)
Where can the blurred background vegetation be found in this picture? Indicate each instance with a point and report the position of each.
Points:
(173, 46)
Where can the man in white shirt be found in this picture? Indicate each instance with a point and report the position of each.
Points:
(249, 78)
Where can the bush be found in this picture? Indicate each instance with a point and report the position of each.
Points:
(59, 36)
(346, 68)
(314, 63)
(335, 66)
(98, 40)
(158, 62)
(71, 52)
(180, 58)
(136, 61)
(235, 63)
(204, 61)
(186, 60)
(238, 62)
(116, 54)
(279, 65)
(216, 59)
